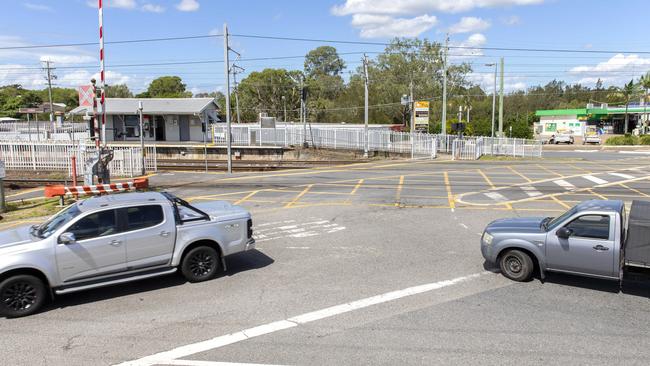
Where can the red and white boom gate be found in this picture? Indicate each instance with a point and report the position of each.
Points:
(98, 189)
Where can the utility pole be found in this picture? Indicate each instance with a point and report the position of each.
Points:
(303, 112)
(284, 104)
(140, 107)
(226, 71)
(412, 122)
(494, 94)
(460, 119)
(366, 145)
(48, 68)
(236, 69)
(501, 101)
(444, 87)
(469, 108)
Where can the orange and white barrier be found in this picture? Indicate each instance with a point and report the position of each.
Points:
(61, 190)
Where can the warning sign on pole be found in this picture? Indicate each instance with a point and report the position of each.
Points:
(422, 115)
(86, 96)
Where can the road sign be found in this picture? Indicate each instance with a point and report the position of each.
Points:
(86, 96)
(422, 114)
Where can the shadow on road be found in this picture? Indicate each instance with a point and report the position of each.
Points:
(235, 264)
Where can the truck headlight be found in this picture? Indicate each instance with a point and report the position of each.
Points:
(487, 238)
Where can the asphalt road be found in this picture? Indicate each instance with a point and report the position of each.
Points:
(364, 264)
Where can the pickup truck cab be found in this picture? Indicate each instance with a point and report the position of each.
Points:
(591, 239)
(113, 239)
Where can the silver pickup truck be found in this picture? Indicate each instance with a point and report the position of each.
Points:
(594, 238)
(114, 239)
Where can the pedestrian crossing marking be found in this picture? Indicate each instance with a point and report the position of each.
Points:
(595, 179)
(564, 184)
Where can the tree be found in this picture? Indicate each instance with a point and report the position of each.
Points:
(644, 82)
(118, 91)
(323, 60)
(262, 91)
(627, 92)
(166, 87)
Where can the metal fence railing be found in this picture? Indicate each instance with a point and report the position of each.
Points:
(43, 131)
(57, 156)
(420, 144)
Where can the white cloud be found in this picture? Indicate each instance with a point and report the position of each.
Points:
(67, 59)
(21, 74)
(121, 4)
(68, 55)
(511, 20)
(377, 26)
(616, 70)
(37, 7)
(188, 5)
(468, 48)
(486, 81)
(469, 24)
(152, 8)
(396, 7)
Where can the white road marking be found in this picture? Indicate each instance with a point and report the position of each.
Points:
(221, 341)
(595, 179)
(641, 152)
(336, 229)
(463, 225)
(496, 196)
(564, 184)
(298, 247)
(531, 191)
(210, 363)
(622, 175)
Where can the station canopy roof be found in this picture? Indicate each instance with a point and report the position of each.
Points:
(152, 106)
(592, 112)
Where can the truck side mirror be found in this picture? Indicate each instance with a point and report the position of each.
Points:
(564, 233)
(67, 238)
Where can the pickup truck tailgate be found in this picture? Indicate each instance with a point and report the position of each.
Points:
(637, 243)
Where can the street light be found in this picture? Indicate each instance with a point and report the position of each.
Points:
(142, 172)
(284, 101)
(494, 94)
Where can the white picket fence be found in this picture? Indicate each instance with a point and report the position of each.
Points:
(57, 156)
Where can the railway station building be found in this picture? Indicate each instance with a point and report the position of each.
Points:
(164, 119)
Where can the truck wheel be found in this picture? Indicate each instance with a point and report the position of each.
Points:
(21, 295)
(516, 265)
(200, 264)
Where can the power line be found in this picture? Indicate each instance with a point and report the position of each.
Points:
(320, 40)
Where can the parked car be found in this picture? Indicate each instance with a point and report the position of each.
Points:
(113, 239)
(593, 239)
(591, 135)
(561, 138)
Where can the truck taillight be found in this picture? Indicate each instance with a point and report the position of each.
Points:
(249, 226)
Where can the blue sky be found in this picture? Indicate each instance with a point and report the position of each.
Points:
(548, 24)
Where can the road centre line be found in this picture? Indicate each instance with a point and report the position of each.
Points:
(597, 194)
(228, 339)
(356, 188)
(450, 196)
(634, 190)
(548, 170)
(398, 192)
(246, 198)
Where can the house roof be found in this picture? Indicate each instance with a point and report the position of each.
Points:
(153, 106)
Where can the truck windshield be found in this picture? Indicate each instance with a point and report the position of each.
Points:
(55, 222)
(555, 221)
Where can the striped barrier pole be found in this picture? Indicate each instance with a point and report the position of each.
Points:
(102, 80)
(61, 190)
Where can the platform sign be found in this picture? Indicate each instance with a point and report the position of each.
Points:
(421, 115)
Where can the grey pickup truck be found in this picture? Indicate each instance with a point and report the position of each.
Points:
(594, 239)
(114, 239)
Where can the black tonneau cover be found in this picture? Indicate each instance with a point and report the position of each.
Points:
(637, 243)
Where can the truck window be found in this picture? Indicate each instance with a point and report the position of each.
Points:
(141, 217)
(590, 226)
(95, 225)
